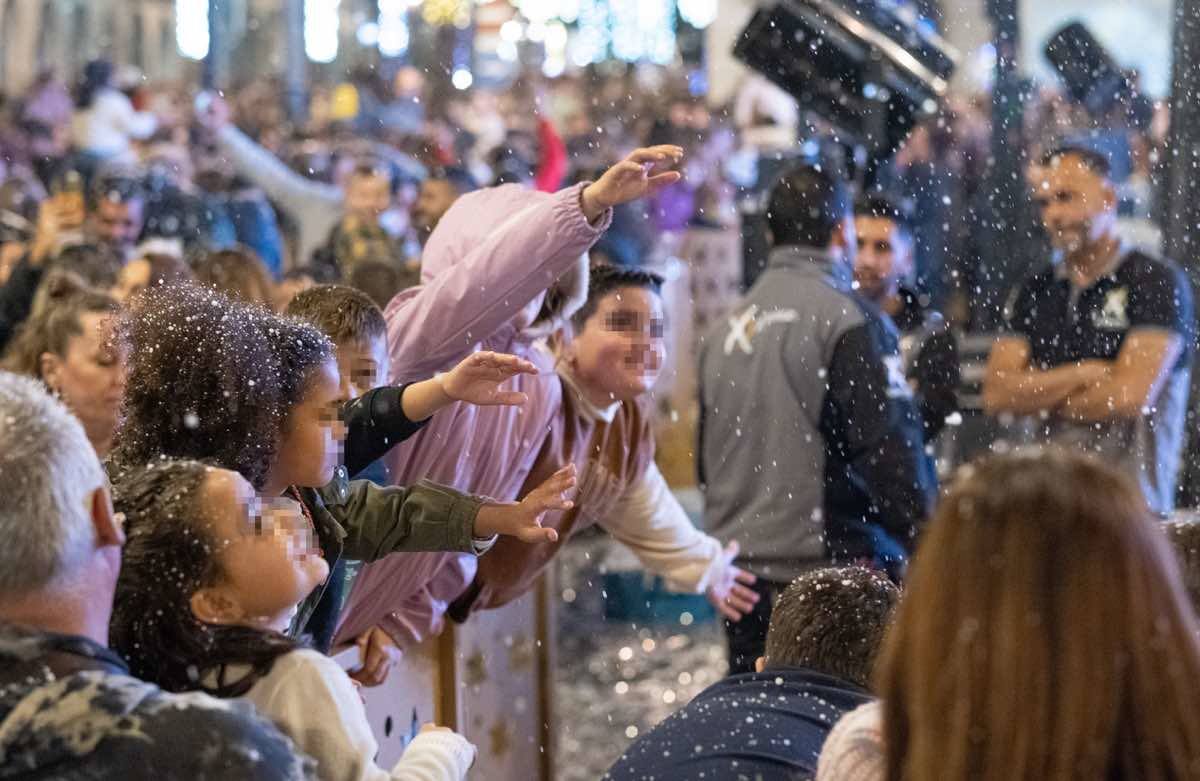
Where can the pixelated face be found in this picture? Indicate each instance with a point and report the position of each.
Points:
(118, 223)
(884, 256)
(620, 351)
(90, 377)
(434, 200)
(362, 365)
(269, 555)
(133, 279)
(311, 447)
(368, 195)
(1076, 203)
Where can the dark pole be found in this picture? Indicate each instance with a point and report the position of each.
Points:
(1179, 194)
(296, 62)
(210, 75)
(1004, 211)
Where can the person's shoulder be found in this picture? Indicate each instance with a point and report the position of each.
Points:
(185, 735)
(1143, 268)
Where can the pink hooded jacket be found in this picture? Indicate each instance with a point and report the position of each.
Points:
(484, 272)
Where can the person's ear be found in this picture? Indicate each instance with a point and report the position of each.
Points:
(108, 524)
(49, 369)
(212, 605)
(760, 664)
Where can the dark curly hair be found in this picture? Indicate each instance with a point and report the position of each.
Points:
(170, 553)
(204, 383)
(300, 349)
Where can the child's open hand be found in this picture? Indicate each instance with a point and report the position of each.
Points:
(644, 172)
(523, 519)
(477, 379)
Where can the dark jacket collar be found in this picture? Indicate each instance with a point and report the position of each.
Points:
(23, 648)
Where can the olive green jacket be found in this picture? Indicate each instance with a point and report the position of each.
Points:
(356, 519)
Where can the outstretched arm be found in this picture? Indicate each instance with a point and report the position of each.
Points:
(434, 325)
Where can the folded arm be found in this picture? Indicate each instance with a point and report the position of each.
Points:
(1011, 385)
(1134, 380)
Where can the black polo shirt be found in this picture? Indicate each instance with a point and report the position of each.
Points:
(1064, 324)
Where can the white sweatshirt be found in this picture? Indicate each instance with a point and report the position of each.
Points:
(108, 127)
(312, 700)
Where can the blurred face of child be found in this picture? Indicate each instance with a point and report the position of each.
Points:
(619, 352)
(368, 195)
(311, 446)
(363, 366)
(268, 557)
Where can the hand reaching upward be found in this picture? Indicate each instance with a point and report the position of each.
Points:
(644, 172)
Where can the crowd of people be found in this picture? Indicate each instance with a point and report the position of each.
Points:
(253, 413)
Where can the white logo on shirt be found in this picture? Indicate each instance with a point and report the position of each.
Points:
(744, 327)
(1113, 316)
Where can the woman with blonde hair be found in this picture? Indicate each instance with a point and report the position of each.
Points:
(1044, 634)
(68, 343)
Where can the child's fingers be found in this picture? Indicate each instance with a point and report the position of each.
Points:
(510, 399)
(539, 535)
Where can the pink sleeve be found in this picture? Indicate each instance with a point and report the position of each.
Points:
(471, 296)
(429, 581)
(552, 168)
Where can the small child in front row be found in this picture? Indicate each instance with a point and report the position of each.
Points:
(260, 394)
(201, 548)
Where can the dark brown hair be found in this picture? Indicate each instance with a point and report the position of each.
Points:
(1044, 634)
(170, 553)
(340, 312)
(832, 621)
(166, 270)
(59, 306)
(204, 383)
(236, 272)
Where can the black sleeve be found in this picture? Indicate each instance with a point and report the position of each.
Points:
(1018, 309)
(871, 425)
(1161, 298)
(16, 298)
(937, 373)
(375, 423)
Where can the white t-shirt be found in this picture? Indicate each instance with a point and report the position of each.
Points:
(312, 700)
(108, 127)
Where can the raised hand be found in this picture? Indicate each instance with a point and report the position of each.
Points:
(523, 519)
(640, 174)
(730, 593)
(477, 379)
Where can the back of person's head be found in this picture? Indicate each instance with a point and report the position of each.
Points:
(171, 552)
(97, 75)
(459, 178)
(806, 207)
(604, 279)
(98, 264)
(1185, 538)
(1044, 633)
(56, 318)
(118, 185)
(49, 473)
(382, 281)
(204, 383)
(238, 273)
(832, 621)
(344, 314)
